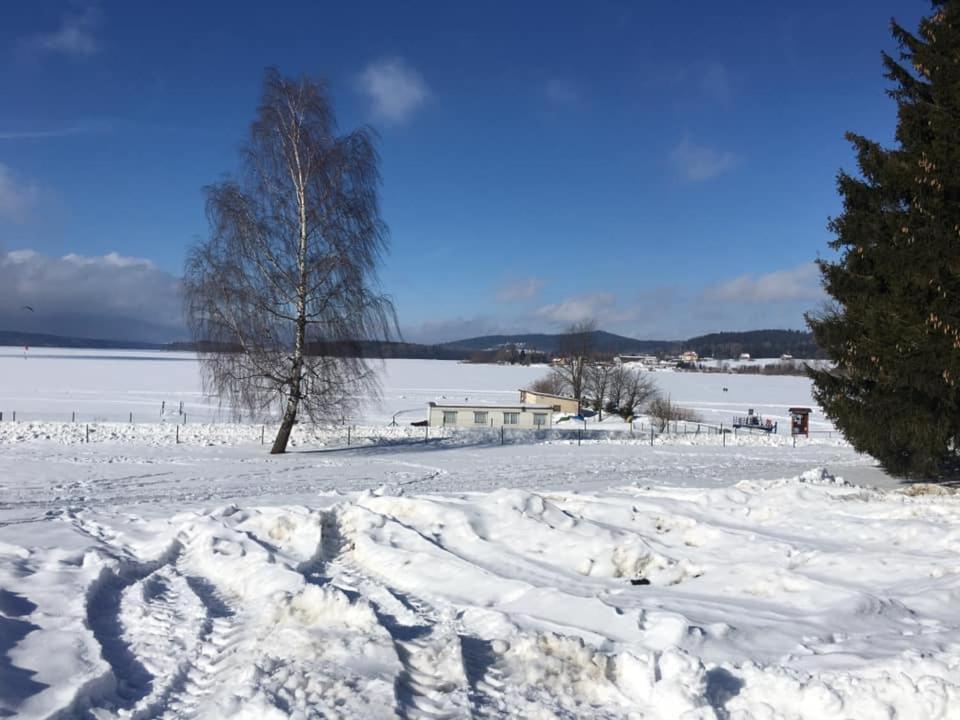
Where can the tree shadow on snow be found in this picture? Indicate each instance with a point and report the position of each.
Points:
(423, 445)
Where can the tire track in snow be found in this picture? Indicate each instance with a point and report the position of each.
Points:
(167, 634)
(214, 657)
(444, 673)
(132, 681)
(164, 622)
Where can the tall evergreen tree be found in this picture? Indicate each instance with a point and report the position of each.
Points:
(893, 328)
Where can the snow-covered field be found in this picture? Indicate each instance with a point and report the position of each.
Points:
(110, 386)
(458, 577)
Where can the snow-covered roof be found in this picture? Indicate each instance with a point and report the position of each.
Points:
(493, 406)
(546, 394)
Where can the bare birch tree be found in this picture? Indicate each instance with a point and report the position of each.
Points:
(284, 290)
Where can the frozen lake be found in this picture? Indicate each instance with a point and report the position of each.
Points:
(109, 385)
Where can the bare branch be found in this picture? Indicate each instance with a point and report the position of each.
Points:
(285, 285)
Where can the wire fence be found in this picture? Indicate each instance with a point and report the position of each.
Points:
(177, 413)
(177, 428)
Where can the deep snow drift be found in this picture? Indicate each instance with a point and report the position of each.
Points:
(457, 578)
(802, 597)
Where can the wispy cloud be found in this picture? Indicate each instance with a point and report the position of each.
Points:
(17, 197)
(716, 85)
(45, 134)
(801, 283)
(457, 328)
(396, 90)
(559, 91)
(697, 163)
(75, 37)
(516, 290)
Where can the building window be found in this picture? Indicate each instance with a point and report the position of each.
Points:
(449, 417)
(556, 408)
(539, 419)
(479, 418)
(511, 418)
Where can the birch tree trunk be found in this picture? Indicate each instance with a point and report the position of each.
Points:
(283, 298)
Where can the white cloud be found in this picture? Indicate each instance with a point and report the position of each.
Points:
(517, 290)
(75, 37)
(395, 89)
(592, 306)
(109, 296)
(697, 163)
(801, 283)
(17, 198)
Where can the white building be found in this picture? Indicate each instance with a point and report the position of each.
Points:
(477, 415)
(557, 403)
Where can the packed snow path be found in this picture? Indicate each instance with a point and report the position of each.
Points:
(609, 580)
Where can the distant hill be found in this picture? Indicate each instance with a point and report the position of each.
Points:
(723, 345)
(604, 342)
(757, 343)
(23, 339)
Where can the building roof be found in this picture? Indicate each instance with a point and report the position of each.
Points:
(546, 394)
(492, 406)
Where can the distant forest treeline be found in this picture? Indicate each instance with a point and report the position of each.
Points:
(756, 343)
(526, 348)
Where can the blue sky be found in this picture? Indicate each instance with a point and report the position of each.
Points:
(667, 168)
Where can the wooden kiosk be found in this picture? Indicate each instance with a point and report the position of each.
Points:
(800, 421)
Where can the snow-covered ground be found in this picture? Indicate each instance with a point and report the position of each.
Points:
(459, 577)
(110, 386)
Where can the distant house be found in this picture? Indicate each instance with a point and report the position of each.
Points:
(744, 356)
(647, 360)
(478, 415)
(558, 403)
(688, 357)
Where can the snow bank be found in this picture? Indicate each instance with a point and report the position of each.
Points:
(805, 597)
